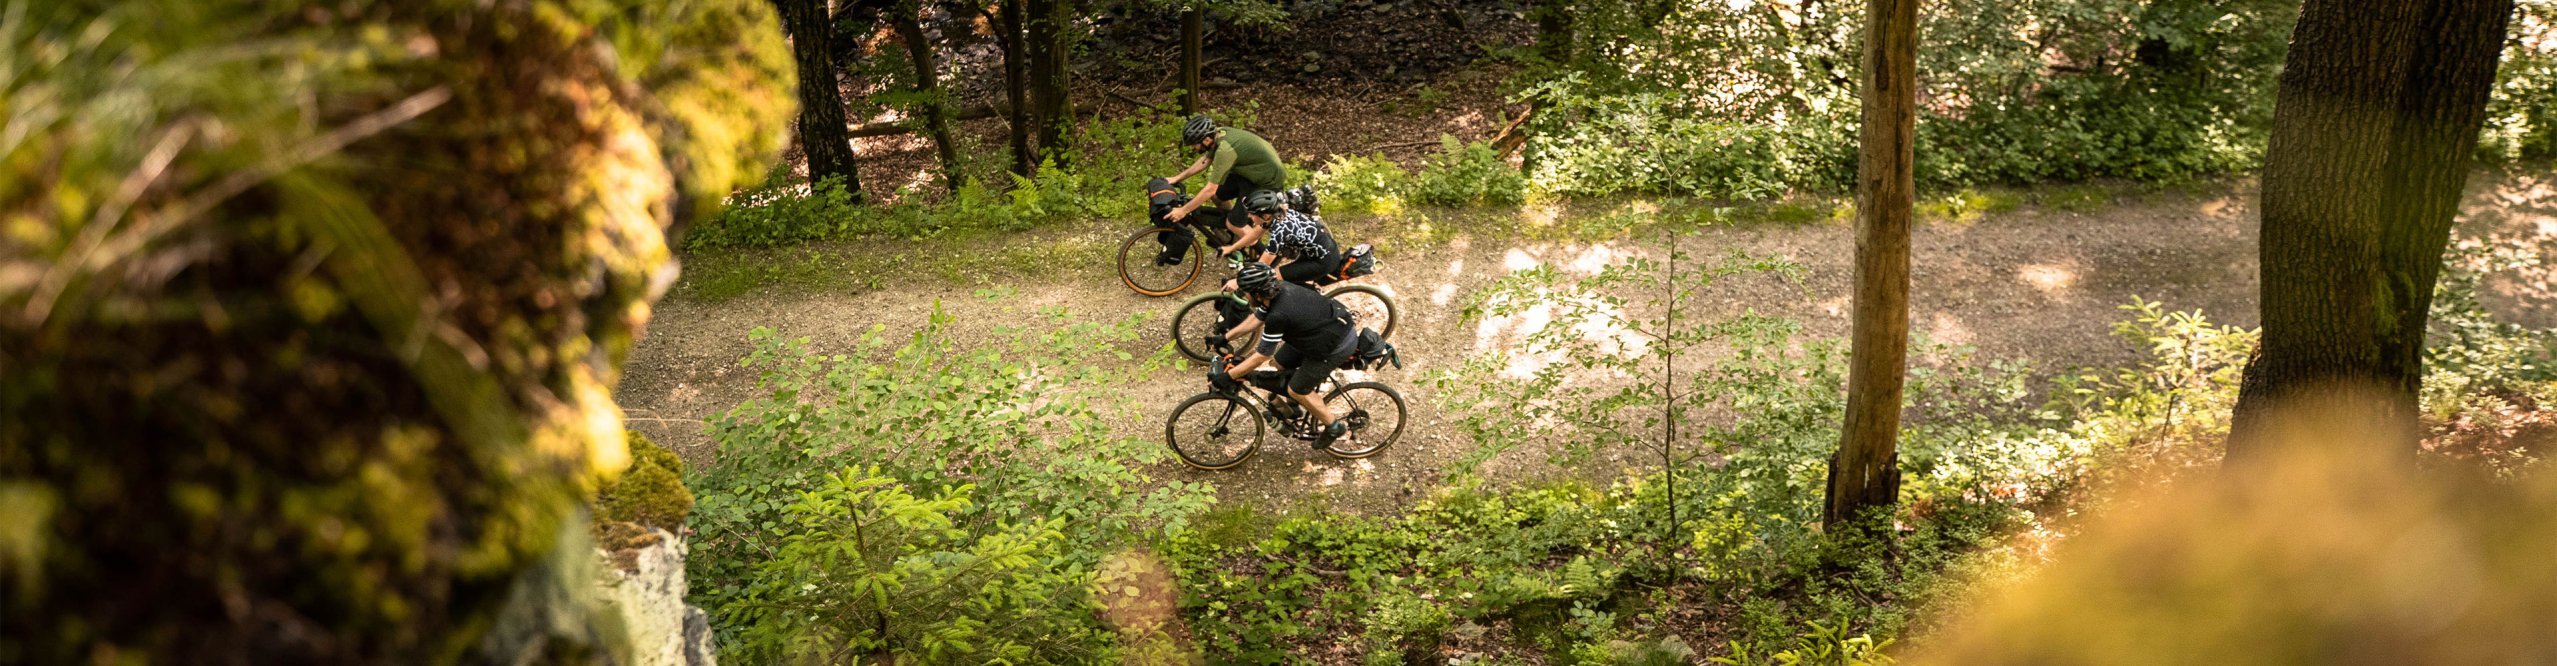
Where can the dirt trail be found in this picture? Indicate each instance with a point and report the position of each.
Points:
(2034, 284)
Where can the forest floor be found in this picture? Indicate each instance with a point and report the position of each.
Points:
(2040, 283)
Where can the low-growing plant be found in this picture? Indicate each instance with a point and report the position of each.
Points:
(1372, 185)
(1021, 428)
(865, 569)
(1467, 174)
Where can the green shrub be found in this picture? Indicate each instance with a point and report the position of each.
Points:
(1595, 145)
(1372, 185)
(865, 568)
(779, 214)
(1019, 428)
(2521, 120)
(650, 493)
(1467, 174)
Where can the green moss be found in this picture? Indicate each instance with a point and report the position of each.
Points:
(651, 493)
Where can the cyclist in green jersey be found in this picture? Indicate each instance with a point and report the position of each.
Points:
(1238, 163)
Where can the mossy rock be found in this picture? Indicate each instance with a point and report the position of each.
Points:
(650, 493)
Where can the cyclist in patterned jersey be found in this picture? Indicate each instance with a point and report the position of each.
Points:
(1297, 244)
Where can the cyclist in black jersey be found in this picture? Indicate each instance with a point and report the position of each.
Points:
(1308, 334)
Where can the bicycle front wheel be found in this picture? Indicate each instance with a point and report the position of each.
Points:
(1375, 416)
(1214, 430)
(1196, 320)
(1374, 309)
(1139, 271)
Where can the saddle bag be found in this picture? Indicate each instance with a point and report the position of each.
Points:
(1161, 196)
(1373, 352)
(1359, 261)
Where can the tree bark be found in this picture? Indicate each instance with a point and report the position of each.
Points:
(1865, 474)
(1193, 34)
(936, 109)
(1016, 85)
(821, 123)
(2379, 109)
(1052, 111)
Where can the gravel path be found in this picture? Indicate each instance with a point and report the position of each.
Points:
(2036, 284)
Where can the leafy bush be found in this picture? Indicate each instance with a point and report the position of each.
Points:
(867, 568)
(1018, 429)
(1111, 158)
(2521, 119)
(1639, 143)
(1372, 185)
(1467, 174)
(1723, 100)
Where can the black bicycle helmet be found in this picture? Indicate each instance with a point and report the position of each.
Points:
(1198, 129)
(1265, 202)
(1257, 279)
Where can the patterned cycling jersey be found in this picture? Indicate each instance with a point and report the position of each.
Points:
(1298, 236)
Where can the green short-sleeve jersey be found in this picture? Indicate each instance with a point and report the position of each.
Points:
(1246, 154)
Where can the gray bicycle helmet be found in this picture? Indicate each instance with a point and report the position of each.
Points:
(1265, 202)
(1257, 279)
(1198, 129)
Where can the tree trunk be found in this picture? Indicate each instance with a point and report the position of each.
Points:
(1866, 475)
(936, 109)
(1016, 85)
(1052, 111)
(1554, 46)
(821, 122)
(2379, 109)
(1193, 33)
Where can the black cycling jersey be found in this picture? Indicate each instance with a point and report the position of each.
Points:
(1307, 321)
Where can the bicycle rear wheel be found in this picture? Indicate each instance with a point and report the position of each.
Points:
(1138, 270)
(1374, 309)
(1196, 320)
(1375, 416)
(1214, 430)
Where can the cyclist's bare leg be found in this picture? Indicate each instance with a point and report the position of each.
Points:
(1313, 405)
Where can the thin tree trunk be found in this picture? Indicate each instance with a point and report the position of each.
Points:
(822, 128)
(1865, 474)
(1016, 85)
(1193, 33)
(1052, 112)
(2379, 109)
(1554, 46)
(936, 117)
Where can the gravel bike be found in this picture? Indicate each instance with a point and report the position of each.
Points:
(1210, 314)
(1224, 426)
(1205, 228)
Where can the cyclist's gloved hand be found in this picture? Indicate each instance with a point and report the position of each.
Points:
(1217, 378)
(1216, 342)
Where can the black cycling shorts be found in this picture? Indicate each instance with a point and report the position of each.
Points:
(1309, 373)
(1314, 272)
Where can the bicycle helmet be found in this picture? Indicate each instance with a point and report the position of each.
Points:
(1265, 202)
(1257, 279)
(1198, 129)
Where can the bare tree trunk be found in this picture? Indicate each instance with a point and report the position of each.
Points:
(1553, 45)
(821, 121)
(1016, 86)
(1052, 111)
(1866, 475)
(936, 117)
(1193, 33)
(2379, 109)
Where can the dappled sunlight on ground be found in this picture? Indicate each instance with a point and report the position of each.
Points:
(2509, 231)
(2054, 279)
(1945, 327)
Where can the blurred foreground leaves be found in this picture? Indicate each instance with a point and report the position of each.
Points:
(310, 312)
